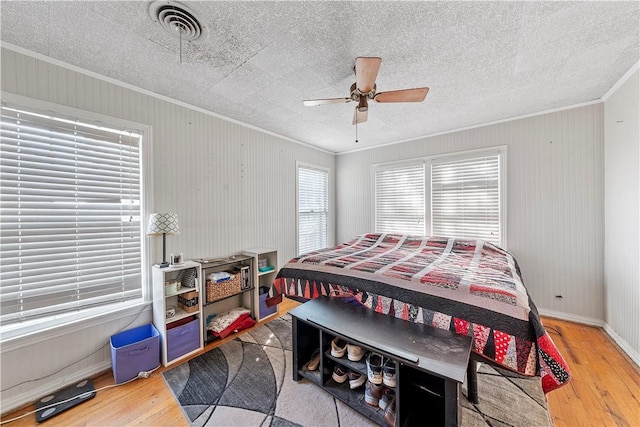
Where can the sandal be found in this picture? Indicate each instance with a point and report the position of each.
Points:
(313, 364)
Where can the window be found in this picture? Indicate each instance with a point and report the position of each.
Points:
(399, 199)
(450, 196)
(465, 198)
(70, 216)
(313, 208)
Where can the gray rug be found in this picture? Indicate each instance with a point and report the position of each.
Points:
(247, 382)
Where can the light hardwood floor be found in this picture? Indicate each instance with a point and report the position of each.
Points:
(604, 390)
(605, 385)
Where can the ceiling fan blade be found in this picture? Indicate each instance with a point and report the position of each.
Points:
(359, 116)
(313, 102)
(366, 73)
(405, 95)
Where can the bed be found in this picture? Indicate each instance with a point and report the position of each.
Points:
(468, 286)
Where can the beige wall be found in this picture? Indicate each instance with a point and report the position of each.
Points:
(622, 214)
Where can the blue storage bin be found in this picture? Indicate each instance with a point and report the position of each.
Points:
(134, 351)
(183, 339)
(263, 309)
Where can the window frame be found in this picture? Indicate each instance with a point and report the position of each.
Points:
(300, 165)
(34, 330)
(501, 151)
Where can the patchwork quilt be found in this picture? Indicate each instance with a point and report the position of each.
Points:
(468, 286)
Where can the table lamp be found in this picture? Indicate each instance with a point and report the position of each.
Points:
(163, 223)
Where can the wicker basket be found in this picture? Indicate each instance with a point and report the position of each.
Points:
(219, 290)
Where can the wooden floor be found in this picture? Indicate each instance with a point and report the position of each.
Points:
(604, 390)
(605, 385)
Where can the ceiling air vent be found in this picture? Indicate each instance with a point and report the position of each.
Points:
(178, 19)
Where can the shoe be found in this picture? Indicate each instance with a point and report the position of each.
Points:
(338, 347)
(339, 374)
(354, 352)
(389, 373)
(313, 364)
(387, 395)
(374, 368)
(356, 379)
(390, 413)
(372, 394)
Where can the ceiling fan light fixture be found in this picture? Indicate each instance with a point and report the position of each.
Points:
(363, 105)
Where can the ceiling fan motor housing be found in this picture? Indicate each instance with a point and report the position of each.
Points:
(357, 95)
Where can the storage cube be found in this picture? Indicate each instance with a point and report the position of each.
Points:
(183, 339)
(134, 351)
(263, 309)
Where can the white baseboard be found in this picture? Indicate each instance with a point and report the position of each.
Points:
(32, 395)
(633, 355)
(626, 348)
(571, 317)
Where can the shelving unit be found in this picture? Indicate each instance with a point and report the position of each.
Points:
(244, 297)
(264, 279)
(430, 363)
(180, 334)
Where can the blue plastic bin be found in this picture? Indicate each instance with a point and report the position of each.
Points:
(134, 351)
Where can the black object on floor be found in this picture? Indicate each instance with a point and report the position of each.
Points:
(53, 404)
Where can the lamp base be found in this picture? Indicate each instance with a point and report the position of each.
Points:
(163, 264)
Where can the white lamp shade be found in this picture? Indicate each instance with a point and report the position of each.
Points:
(163, 223)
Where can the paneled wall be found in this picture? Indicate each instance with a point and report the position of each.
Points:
(554, 200)
(622, 215)
(233, 188)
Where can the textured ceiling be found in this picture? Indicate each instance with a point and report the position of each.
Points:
(483, 61)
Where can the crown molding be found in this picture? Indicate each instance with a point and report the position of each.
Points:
(620, 82)
(62, 64)
(481, 125)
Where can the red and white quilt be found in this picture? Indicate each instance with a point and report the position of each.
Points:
(468, 286)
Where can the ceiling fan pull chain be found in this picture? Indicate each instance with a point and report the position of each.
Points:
(356, 131)
(180, 31)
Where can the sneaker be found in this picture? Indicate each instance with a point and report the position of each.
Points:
(390, 413)
(313, 364)
(374, 368)
(389, 373)
(339, 374)
(372, 394)
(387, 395)
(338, 347)
(356, 379)
(354, 352)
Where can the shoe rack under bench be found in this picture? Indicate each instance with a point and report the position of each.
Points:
(430, 363)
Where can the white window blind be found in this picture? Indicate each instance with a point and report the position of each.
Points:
(313, 208)
(400, 199)
(465, 198)
(70, 216)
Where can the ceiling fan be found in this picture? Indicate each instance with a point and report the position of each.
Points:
(364, 89)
